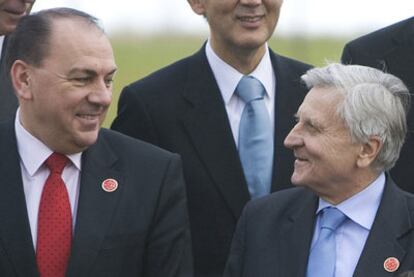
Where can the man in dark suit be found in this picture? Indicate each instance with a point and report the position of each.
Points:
(348, 217)
(79, 200)
(10, 13)
(391, 49)
(191, 108)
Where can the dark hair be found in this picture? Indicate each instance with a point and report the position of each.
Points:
(31, 39)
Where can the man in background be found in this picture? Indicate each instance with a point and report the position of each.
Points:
(11, 11)
(226, 110)
(391, 50)
(347, 217)
(78, 200)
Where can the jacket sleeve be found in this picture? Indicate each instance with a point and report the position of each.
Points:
(169, 242)
(235, 261)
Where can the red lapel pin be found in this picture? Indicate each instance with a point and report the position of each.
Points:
(391, 264)
(109, 185)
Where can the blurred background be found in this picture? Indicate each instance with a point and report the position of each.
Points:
(149, 34)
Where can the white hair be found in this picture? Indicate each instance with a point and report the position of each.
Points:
(374, 104)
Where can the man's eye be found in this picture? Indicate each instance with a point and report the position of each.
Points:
(81, 79)
(311, 127)
(109, 82)
(296, 119)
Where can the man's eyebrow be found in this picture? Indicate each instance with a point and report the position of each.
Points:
(308, 119)
(113, 71)
(82, 70)
(89, 71)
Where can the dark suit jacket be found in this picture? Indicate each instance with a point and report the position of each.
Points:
(274, 235)
(180, 108)
(8, 100)
(141, 229)
(391, 49)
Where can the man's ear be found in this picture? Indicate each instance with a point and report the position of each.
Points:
(197, 6)
(20, 75)
(369, 151)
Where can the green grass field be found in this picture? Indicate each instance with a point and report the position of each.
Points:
(136, 57)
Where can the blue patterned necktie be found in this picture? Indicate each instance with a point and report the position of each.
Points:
(255, 137)
(322, 257)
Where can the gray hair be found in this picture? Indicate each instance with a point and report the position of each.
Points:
(374, 104)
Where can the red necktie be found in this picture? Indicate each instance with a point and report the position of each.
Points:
(54, 227)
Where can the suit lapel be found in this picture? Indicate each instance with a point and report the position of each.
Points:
(384, 238)
(208, 127)
(96, 207)
(294, 246)
(15, 232)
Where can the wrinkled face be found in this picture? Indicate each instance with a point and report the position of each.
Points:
(71, 91)
(10, 13)
(239, 24)
(325, 155)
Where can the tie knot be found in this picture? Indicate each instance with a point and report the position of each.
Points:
(56, 162)
(332, 218)
(249, 89)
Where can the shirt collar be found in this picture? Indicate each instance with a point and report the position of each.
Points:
(33, 153)
(228, 77)
(367, 200)
(1, 46)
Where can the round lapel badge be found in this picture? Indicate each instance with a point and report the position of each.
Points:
(391, 264)
(109, 185)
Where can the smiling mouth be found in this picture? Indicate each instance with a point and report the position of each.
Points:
(15, 12)
(300, 159)
(250, 18)
(88, 116)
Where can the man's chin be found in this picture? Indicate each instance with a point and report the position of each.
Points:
(7, 29)
(86, 139)
(297, 180)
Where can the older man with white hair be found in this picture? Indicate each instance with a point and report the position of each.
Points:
(347, 217)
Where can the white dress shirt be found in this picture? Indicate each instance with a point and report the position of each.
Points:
(351, 236)
(1, 44)
(33, 153)
(228, 77)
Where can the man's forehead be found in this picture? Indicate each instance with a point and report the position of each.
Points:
(75, 24)
(74, 36)
(319, 104)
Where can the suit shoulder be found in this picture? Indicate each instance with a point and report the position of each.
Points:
(278, 202)
(168, 77)
(290, 63)
(295, 63)
(132, 147)
(379, 40)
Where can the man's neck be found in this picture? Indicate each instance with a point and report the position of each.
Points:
(341, 192)
(244, 60)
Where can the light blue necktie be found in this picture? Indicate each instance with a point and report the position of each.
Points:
(322, 257)
(255, 137)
